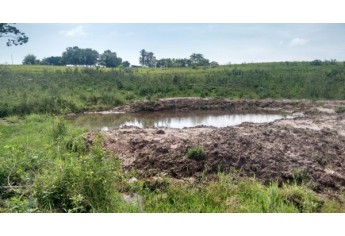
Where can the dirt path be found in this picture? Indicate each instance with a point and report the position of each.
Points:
(309, 147)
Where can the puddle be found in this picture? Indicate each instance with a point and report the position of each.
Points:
(171, 119)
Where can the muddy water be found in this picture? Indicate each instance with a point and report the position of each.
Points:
(171, 119)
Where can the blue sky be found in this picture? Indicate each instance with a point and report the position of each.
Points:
(224, 43)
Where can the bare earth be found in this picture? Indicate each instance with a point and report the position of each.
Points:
(309, 147)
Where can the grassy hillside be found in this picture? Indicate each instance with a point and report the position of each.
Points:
(58, 90)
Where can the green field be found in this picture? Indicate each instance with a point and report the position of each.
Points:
(45, 165)
(60, 90)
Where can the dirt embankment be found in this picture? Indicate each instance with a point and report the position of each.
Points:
(194, 103)
(310, 147)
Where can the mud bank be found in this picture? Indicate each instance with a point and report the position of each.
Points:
(310, 147)
(195, 103)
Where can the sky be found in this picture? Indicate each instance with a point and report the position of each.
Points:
(221, 42)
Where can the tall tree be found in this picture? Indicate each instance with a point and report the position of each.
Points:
(147, 59)
(30, 59)
(54, 61)
(77, 56)
(199, 60)
(110, 59)
(142, 58)
(14, 36)
(89, 56)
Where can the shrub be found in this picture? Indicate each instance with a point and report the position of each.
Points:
(196, 153)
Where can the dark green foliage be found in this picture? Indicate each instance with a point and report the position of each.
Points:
(196, 153)
(147, 59)
(126, 64)
(78, 56)
(198, 60)
(52, 61)
(30, 60)
(110, 59)
(13, 35)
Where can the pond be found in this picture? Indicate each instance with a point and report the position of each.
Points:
(171, 119)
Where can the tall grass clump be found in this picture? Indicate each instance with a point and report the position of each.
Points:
(46, 166)
(231, 194)
(196, 153)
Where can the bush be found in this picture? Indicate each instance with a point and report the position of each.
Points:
(196, 153)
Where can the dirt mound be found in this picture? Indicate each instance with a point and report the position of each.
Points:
(277, 153)
(307, 148)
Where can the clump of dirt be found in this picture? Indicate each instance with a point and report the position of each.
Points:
(309, 148)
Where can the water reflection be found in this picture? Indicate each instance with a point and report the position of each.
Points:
(172, 119)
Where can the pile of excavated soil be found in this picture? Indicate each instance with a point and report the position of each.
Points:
(307, 148)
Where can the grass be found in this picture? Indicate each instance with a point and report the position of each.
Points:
(60, 90)
(229, 194)
(46, 167)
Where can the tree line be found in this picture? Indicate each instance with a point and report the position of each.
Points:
(79, 56)
(147, 59)
(89, 57)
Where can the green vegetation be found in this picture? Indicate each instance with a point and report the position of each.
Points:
(46, 165)
(196, 153)
(229, 195)
(60, 90)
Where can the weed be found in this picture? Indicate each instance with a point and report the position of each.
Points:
(196, 153)
(59, 128)
(300, 176)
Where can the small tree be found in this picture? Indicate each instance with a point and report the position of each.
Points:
(214, 63)
(110, 59)
(199, 60)
(30, 60)
(126, 64)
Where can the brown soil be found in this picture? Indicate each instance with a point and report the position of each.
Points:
(309, 147)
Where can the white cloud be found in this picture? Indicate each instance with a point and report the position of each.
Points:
(298, 42)
(77, 31)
